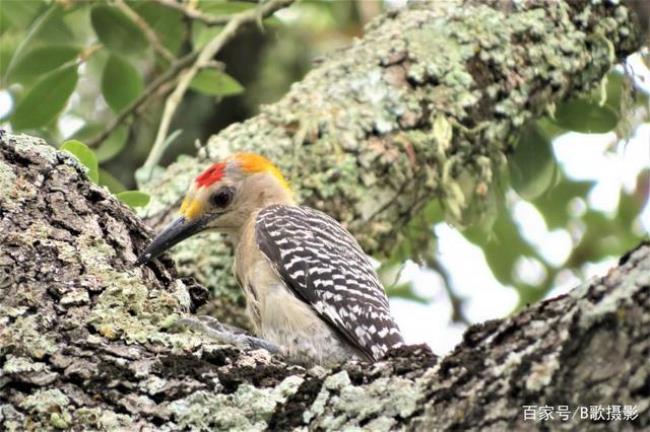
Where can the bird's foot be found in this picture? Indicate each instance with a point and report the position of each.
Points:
(225, 333)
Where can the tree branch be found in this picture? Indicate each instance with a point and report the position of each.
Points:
(148, 32)
(169, 75)
(195, 14)
(204, 58)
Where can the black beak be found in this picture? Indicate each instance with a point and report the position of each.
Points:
(175, 232)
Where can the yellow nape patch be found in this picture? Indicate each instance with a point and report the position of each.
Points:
(191, 208)
(254, 163)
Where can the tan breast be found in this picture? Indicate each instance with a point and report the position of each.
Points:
(277, 314)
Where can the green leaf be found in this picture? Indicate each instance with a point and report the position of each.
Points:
(166, 22)
(46, 99)
(586, 116)
(112, 145)
(222, 7)
(216, 83)
(121, 83)
(502, 246)
(554, 206)
(631, 205)
(20, 14)
(113, 184)
(49, 26)
(54, 30)
(603, 237)
(41, 60)
(85, 156)
(416, 238)
(116, 31)
(9, 44)
(202, 34)
(533, 168)
(134, 198)
(614, 89)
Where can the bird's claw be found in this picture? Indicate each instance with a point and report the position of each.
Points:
(224, 333)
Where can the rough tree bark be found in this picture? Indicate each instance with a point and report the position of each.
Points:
(433, 95)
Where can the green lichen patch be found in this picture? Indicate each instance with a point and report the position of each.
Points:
(45, 401)
(35, 148)
(7, 179)
(14, 364)
(102, 419)
(342, 405)
(127, 309)
(247, 409)
(28, 334)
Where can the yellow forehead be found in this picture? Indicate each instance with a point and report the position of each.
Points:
(251, 162)
(254, 163)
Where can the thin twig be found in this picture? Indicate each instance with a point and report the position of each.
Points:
(194, 14)
(146, 29)
(205, 57)
(457, 312)
(158, 82)
(87, 53)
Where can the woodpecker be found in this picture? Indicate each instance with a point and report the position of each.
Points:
(311, 292)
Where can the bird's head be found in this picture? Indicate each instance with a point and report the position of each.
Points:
(222, 198)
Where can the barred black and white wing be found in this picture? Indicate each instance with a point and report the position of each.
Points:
(325, 267)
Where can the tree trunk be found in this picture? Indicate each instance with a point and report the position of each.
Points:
(428, 98)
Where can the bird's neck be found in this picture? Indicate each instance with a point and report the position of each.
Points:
(268, 192)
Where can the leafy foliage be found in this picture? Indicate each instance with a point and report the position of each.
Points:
(216, 83)
(40, 61)
(536, 177)
(116, 31)
(87, 158)
(133, 198)
(54, 50)
(533, 168)
(46, 99)
(582, 115)
(84, 155)
(121, 83)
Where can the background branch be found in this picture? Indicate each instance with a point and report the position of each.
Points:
(169, 75)
(194, 14)
(148, 31)
(204, 58)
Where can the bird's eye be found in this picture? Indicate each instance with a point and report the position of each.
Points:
(223, 197)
